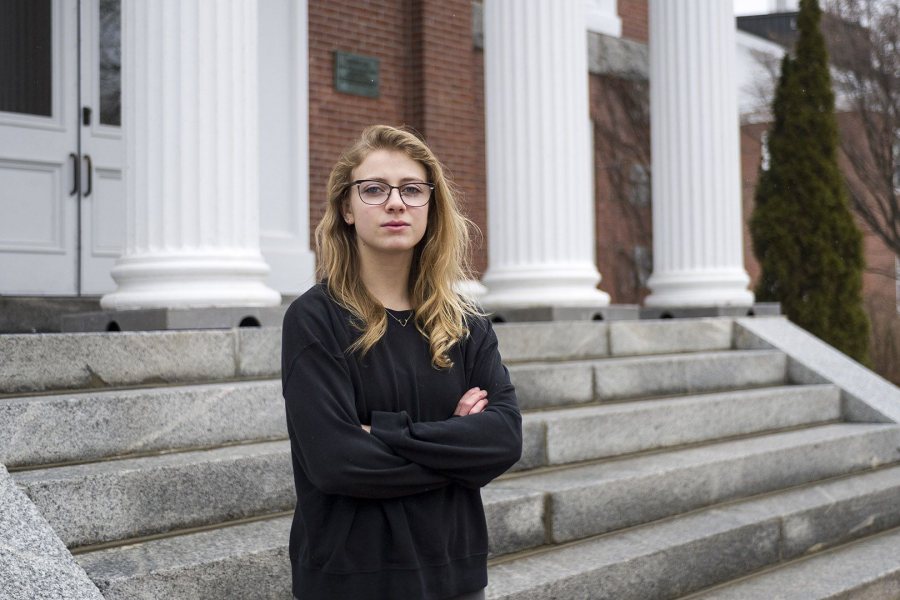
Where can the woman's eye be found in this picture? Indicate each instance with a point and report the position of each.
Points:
(411, 190)
(373, 190)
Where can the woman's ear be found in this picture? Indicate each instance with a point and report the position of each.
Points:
(347, 214)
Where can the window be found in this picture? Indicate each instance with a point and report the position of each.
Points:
(643, 264)
(639, 185)
(765, 157)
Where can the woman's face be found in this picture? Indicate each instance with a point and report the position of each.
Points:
(391, 227)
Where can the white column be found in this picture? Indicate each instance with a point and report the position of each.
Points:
(539, 177)
(190, 109)
(697, 233)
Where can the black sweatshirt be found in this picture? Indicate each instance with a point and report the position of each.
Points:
(395, 513)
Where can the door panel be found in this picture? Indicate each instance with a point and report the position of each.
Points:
(38, 132)
(103, 203)
(33, 226)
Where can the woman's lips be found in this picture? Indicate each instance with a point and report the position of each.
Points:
(395, 226)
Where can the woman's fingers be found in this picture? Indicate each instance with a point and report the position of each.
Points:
(469, 400)
(479, 406)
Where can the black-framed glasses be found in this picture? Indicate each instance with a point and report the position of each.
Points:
(414, 193)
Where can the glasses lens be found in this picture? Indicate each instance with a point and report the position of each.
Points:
(415, 194)
(372, 192)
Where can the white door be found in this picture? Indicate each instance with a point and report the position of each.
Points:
(102, 148)
(61, 152)
(38, 147)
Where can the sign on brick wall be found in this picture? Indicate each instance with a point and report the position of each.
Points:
(356, 74)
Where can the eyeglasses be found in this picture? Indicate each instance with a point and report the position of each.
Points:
(416, 193)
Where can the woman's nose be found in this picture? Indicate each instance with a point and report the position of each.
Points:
(394, 201)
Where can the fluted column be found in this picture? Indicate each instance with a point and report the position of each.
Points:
(697, 234)
(539, 179)
(190, 114)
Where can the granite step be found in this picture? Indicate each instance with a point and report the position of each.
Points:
(680, 555)
(250, 560)
(868, 569)
(608, 495)
(560, 436)
(659, 560)
(90, 425)
(241, 562)
(40, 362)
(113, 500)
(557, 341)
(547, 384)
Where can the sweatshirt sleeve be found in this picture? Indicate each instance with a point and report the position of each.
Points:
(474, 449)
(336, 454)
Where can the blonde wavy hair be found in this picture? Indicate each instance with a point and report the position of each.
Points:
(440, 259)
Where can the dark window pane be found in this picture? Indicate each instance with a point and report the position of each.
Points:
(25, 49)
(110, 62)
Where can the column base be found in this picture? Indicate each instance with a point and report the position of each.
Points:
(758, 309)
(702, 288)
(190, 281)
(471, 288)
(567, 284)
(166, 319)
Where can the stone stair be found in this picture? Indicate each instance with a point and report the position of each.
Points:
(661, 459)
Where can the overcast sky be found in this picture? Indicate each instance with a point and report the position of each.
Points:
(752, 7)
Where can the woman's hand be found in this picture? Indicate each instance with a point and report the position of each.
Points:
(474, 401)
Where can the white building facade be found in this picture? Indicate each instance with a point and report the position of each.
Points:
(161, 159)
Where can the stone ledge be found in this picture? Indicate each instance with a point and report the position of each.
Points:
(867, 396)
(34, 563)
(165, 319)
(612, 312)
(759, 309)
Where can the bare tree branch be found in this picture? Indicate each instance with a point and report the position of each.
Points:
(864, 40)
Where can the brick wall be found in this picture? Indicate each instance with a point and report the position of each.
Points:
(622, 213)
(634, 19)
(428, 69)
(451, 118)
(378, 28)
(432, 79)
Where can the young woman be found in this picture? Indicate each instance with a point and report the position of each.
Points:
(398, 407)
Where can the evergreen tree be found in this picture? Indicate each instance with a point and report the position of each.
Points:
(804, 236)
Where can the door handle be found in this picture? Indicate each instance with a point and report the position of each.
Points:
(90, 176)
(75, 174)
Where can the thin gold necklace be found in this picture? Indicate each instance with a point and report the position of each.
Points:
(402, 322)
